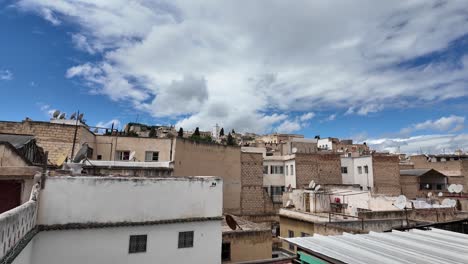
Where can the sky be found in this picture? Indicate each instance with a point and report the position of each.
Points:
(390, 73)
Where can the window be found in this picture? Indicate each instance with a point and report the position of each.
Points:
(265, 169)
(123, 155)
(292, 169)
(286, 170)
(304, 234)
(359, 169)
(439, 186)
(366, 169)
(137, 244)
(291, 234)
(151, 156)
(281, 169)
(226, 251)
(344, 170)
(277, 169)
(186, 239)
(99, 157)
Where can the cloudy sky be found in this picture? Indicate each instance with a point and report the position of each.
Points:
(392, 73)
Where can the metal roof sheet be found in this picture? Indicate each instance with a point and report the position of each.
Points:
(414, 246)
(414, 172)
(16, 140)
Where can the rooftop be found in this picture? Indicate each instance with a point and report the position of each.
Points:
(414, 246)
(127, 164)
(16, 140)
(415, 172)
(246, 226)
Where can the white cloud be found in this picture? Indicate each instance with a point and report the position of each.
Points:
(451, 123)
(331, 117)
(46, 109)
(6, 75)
(427, 144)
(307, 116)
(289, 126)
(325, 55)
(108, 124)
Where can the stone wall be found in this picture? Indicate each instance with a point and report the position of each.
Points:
(57, 139)
(410, 186)
(386, 174)
(322, 168)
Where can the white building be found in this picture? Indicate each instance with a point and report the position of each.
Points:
(358, 170)
(117, 220)
(276, 174)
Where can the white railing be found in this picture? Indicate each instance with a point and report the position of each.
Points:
(17, 222)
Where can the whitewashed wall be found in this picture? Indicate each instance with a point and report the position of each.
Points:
(112, 199)
(290, 179)
(110, 245)
(353, 176)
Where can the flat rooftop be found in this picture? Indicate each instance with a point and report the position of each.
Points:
(247, 226)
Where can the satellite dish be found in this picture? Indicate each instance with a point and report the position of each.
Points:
(232, 222)
(453, 203)
(429, 194)
(427, 186)
(458, 188)
(449, 202)
(132, 155)
(440, 194)
(56, 114)
(80, 117)
(451, 188)
(82, 154)
(62, 116)
(294, 150)
(73, 116)
(400, 202)
(96, 130)
(288, 203)
(317, 188)
(312, 184)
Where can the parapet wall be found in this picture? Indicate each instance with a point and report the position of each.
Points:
(111, 200)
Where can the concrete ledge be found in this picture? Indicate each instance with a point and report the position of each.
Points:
(16, 250)
(92, 225)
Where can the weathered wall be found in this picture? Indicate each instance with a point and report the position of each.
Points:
(110, 199)
(57, 139)
(386, 174)
(107, 146)
(456, 170)
(409, 186)
(254, 198)
(322, 168)
(110, 245)
(297, 226)
(212, 160)
(424, 215)
(9, 158)
(247, 246)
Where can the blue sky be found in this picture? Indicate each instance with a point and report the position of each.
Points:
(392, 74)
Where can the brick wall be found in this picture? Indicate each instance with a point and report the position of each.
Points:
(410, 186)
(386, 174)
(254, 199)
(57, 139)
(322, 168)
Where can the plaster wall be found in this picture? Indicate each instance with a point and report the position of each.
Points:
(110, 245)
(247, 246)
(112, 199)
(275, 179)
(107, 146)
(290, 178)
(193, 158)
(353, 176)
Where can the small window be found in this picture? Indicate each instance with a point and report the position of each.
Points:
(292, 170)
(304, 234)
(291, 234)
(226, 252)
(344, 170)
(366, 169)
(439, 186)
(186, 239)
(359, 169)
(137, 244)
(286, 170)
(123, 155)
(151, 156)
(265, 169)
(281, 169)
(99, 157)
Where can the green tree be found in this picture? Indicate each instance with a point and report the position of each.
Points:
(221, 132)
(152, 132)
(230, 140)
(197, 132)
(181, 132)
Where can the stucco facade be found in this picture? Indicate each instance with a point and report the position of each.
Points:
(358, 170)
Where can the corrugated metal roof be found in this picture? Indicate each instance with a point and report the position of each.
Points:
(414, 246)
(16, 140)
(414, 172)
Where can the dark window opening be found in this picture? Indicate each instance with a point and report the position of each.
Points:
(137, 244)
(186, 239)
(226, 251)
(99, 157)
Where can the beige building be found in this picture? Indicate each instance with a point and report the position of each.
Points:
(250, 242)
(455, 167)
(417, 183)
